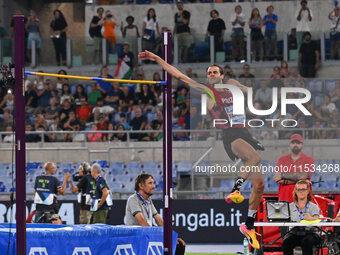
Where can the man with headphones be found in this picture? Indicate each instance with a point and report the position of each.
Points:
(86, 188)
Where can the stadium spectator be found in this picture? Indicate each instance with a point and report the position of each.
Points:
(159, 42)
(299, 165)
(238, 21)
(138, 123)
(264, 94)
(9, 138)
(80, 93)
(63, 113)
(94, 137)
(112, 97)
(46, 188)
(120, 136)
(100, 108)
(276, 73)
(304, 18)
(52, 111)
(43, 137)
(7, 102)
(61, 81)
(216, 27)
(130, 34)
(336, 94)
(150, 30)
(85, 187)
(246, 72)
(292, 42)
(29, 138)
(40, 122)
(101, 196)
(229, 73)
(318, 132)
(31, 98)
(71, 124)
(255, 25)
(66, 93)
(33, 28)
(94, 94)
(269, 133)
(140, 210)
(302, 209)
(308, 62)
(334, 16)
(157, 87)
(123, 121)
(270, 36)
(102, 124)
(45, 95)
(110, 136)
(96, 25)
(104, 86)
(156, 124)
(128, 57)
(146, 99)
(56, 126)
(326, 108)
(182, 30)
(126, 100)
(110, 22)
(83, 112)
(58, 28)
(7, 120)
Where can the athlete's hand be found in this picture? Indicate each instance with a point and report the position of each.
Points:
(147, 55)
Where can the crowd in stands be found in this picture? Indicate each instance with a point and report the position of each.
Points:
(262, 24)
(55, 105)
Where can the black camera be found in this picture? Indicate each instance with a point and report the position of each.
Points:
(45, 218)
(109, 16)
(86, 170)
(7, 79)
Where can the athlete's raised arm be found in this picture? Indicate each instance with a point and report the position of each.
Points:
(173, 71)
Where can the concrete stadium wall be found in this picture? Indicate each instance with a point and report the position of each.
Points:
(183, 151)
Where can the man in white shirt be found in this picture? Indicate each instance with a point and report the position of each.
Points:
(304, 18)
(237, 37)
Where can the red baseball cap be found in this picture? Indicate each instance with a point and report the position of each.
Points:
(296, 137)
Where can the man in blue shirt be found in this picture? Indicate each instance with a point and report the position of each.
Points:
(270, 35)
(101, 194)
(104, 86)
(46, 189)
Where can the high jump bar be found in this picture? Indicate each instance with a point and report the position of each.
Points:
(93, 78)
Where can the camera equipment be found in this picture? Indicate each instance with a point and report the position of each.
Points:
(86, 170)
(7, 80)
(109, 16)
(45, 218)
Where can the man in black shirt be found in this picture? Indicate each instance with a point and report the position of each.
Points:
(95, 32)
(308, 62)
(31, 98)
(216, 27)
(46, 189)
(127, 55)
(86, 188)
(182, 30)
(138, 123)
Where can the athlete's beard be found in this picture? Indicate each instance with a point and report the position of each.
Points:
(214, 80)
(296, 150)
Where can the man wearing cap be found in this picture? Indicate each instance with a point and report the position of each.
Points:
(292, 167)
(308, 62)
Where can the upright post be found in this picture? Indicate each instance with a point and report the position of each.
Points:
(167, 149)
(19, 110)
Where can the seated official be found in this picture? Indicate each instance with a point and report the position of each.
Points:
(302, 209)
(140, 209)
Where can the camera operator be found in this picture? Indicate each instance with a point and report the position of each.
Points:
(46, 189)
(86, 187)
(102, 199)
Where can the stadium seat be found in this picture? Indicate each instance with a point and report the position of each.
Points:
(134, 164)
(33, 165)
(150, 166)
(329, 85)
(3, 167)
(315, 86)
(227, 184)
(117, 165)
(102, 163)
(117, 171)
(184, 167)
(67, 165)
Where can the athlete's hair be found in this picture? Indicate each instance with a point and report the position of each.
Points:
(219, 68)
(305, 182)
(141, 178)
(97, 168)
